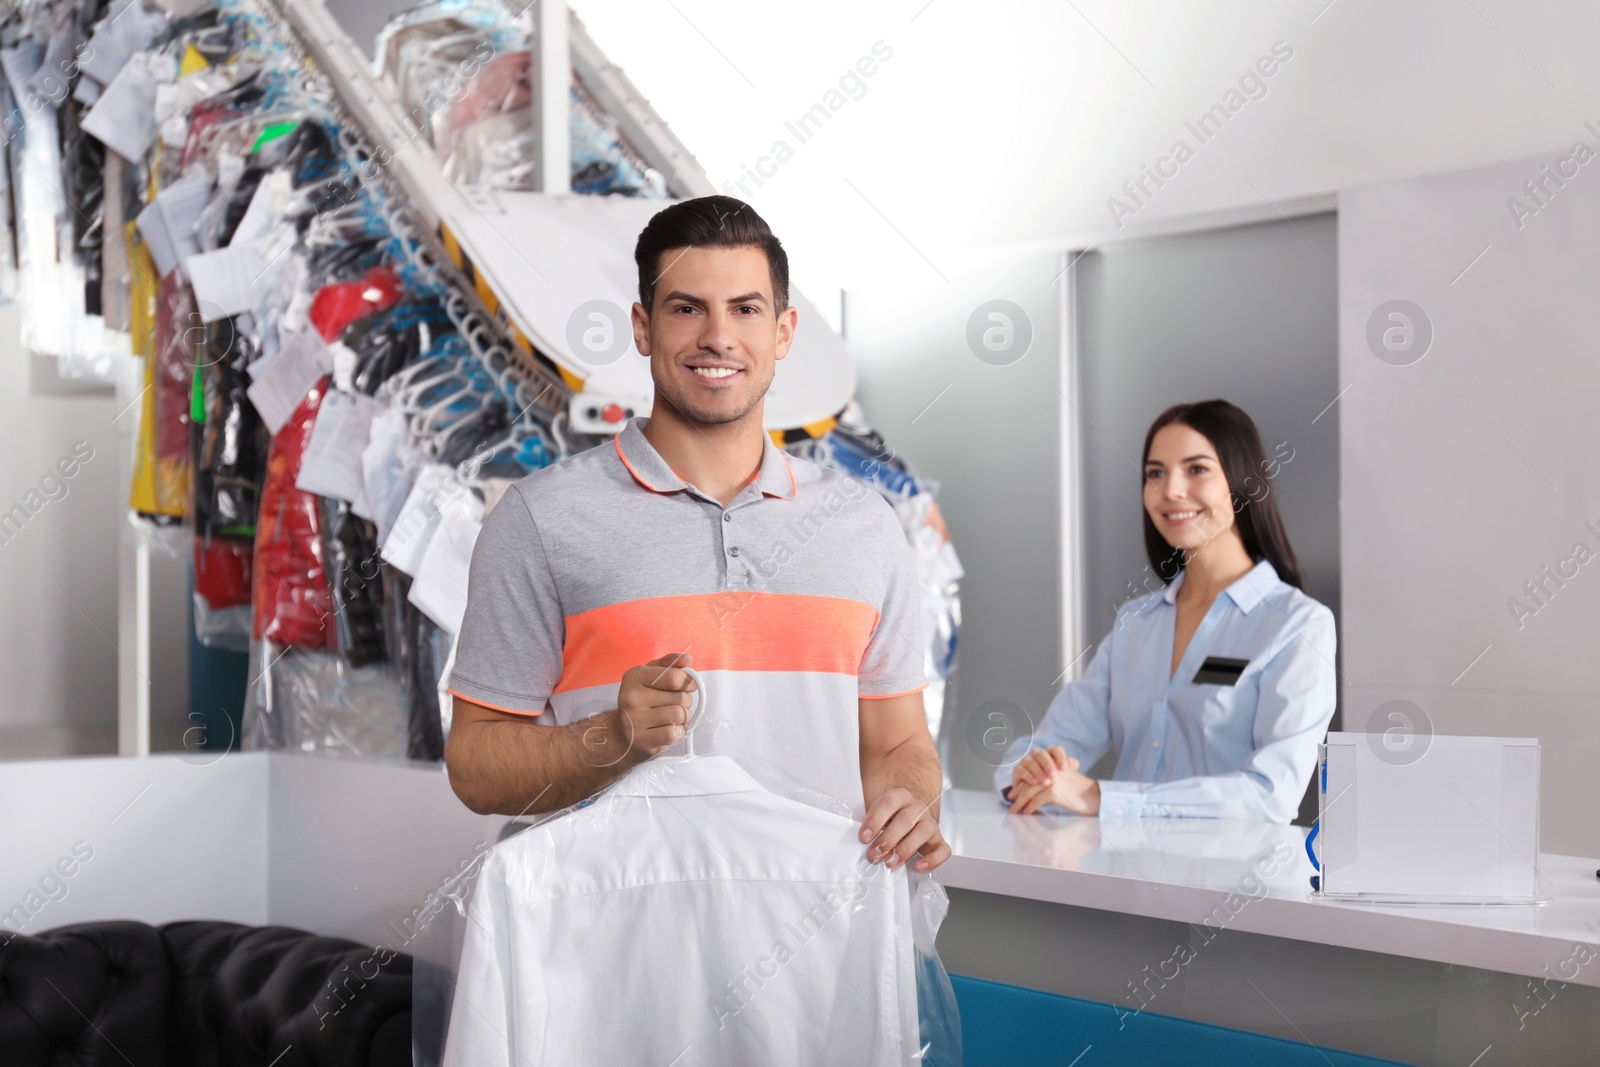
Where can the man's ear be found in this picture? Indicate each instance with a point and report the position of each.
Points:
(641, 329)
(788, 320)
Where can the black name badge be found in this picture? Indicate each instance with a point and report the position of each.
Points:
(1219, 670)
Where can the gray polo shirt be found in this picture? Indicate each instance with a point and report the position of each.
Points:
(796, 600)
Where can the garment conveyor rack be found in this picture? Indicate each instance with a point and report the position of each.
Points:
(562, 47)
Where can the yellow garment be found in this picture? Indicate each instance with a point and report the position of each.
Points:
(160, 486)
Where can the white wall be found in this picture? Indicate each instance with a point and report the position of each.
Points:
(1017, 119)
(58, 574)
(168, 838)
(991, 435)
(345, 848)
(60, 649)
(357, 846)
(1468, 472)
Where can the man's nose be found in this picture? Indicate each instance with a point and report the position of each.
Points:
(717, 334)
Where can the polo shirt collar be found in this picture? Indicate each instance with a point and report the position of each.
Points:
(776, 477)
(1246, 593)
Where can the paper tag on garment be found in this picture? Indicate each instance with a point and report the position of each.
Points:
(418, 518)
(440, 588)
(153, 229)
(385, 474)
(89, 90)
(225, 280)
(344, 366)
(332, 463)
(128, 28)
(262, 214)
(178, 208)
(124, 119)
(279, 388)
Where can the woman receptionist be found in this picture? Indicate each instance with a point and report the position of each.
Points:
(1214, 690)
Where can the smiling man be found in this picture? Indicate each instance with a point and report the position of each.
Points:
(693, 541)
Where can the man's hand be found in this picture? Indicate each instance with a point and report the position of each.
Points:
(653, 705)
(898, 826)
(1050, 776)
(501, 763)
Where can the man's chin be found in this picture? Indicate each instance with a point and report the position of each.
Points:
(707, 415)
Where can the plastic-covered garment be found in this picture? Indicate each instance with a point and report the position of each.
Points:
(336, 307)
(414, 641)
(51, 286)
(315, 703)
(350, 557)
(487, 134)
(229, 439)
(462, 71)
(171, 380)
(603, 163)
(293, 603)
(388, 340)
(143, 495)
(83, 182)
(8, 222)
(222, 573)
(733, 911)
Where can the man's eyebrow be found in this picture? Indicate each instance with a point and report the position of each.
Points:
(746, 298)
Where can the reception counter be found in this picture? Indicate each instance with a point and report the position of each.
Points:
(1214, 922)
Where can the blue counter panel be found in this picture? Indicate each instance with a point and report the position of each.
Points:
(1005, 1025)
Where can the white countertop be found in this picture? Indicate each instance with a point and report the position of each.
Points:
(1255, 877)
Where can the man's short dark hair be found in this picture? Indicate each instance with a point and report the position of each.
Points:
(709, 222)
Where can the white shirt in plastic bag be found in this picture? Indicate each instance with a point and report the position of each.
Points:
(688, 916)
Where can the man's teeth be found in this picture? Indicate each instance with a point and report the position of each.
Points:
(716, 372)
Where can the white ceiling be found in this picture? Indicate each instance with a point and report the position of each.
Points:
(1014, 120)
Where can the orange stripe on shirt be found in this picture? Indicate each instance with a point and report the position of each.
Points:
(734, 630)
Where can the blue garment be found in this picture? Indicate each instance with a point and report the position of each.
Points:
(1242, 751)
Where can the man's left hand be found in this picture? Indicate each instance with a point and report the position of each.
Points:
(898, 826)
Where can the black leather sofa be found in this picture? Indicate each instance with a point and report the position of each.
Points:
(200, 994)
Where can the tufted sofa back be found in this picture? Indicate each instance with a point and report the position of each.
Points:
(200, 994)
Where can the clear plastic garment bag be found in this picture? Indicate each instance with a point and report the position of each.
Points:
(704, 909)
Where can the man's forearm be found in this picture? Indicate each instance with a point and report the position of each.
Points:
(912, 765)
(508, 768)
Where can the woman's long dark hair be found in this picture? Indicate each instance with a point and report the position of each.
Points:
(1244, 463)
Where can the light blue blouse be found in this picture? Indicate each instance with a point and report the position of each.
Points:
(1240, 751)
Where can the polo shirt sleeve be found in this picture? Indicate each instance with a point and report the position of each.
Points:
(508, 655)
(894, 663)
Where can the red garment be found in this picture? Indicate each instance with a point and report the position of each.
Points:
(504, 84)
(204, 117)
(337, 306)
(293, 604)
(176, 333)
(222, 570)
